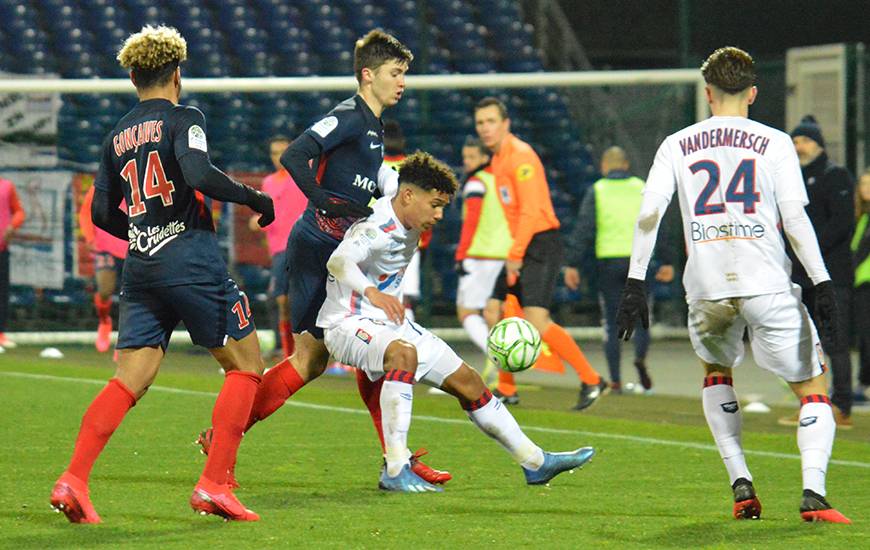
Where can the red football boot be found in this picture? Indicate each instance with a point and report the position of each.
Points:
(210, 498)
(70, 496)
(746, 503)
(104, 336)
(436, 477)
(204, 441)
(814, 507)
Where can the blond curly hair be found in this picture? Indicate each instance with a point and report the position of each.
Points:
(153, 48)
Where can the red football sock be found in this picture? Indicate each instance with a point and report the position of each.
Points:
(287, 342)
(565, 347)
(232, 407)
(103, 307)
(101, 419)
(371, 396)
(277, 386)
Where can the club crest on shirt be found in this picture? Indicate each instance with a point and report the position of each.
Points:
(364, 336)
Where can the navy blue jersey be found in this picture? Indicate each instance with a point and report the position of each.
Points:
(171, 232)
(352, 142)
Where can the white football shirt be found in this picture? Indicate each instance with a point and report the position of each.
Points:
(382, 248)
(730, 173)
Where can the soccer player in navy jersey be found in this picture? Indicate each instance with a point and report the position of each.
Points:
(338, 164)
(156, 159)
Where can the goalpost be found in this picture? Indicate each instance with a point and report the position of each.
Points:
(685, 93)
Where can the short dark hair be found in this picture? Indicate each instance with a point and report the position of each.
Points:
(489, 101)
(426, 172)
(471, 141)
(730, 69)
(376, 48)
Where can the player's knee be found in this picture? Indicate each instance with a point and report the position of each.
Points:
(465, 384)
(400, 356)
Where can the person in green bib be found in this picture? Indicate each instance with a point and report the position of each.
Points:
(606, 221)
(861, 261)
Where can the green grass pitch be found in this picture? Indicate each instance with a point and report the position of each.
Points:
(311, 471)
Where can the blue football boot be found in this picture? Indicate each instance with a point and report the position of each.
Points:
(406, 482)
(556, 463)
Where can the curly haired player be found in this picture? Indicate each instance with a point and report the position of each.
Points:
(156, 160)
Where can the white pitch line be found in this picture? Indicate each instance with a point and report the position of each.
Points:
(303, 405)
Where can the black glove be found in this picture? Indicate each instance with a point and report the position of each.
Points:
(459, 268)
(632, 308)
(262, 203)
(827, 314)
(337, 208)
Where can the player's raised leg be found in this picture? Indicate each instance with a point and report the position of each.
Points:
(136, 370)
(494, 419)
(815, 439)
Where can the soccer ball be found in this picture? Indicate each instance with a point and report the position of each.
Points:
(513, 344)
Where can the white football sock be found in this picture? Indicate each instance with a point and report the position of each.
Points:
(476, 328)
(722, 411)
(497, 422)
(815, 438)
(397, 399)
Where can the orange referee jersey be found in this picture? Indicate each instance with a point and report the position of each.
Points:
(523, 189)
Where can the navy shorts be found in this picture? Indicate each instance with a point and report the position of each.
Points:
(211, 312)
(103, 261)
(278, 280)
(306, 265)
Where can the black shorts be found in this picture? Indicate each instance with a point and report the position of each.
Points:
(541, 267)
(212, 313)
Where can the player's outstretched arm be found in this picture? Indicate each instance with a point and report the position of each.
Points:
(205, 177)
(297, 160)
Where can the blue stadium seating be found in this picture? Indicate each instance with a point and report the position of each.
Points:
(79, 39)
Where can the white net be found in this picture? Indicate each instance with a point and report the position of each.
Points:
(568, 117)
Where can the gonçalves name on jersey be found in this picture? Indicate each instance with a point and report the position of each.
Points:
(724, 137)
(151, 239)
(133, 137)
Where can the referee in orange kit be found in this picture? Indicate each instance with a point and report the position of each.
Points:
(534, 261)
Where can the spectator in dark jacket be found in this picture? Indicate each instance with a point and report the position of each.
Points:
(830, 189)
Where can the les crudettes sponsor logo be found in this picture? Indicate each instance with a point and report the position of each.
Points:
(151, 239)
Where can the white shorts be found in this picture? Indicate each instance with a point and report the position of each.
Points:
(361, 342)
(781, 333)
(411, 280)
(476, 287)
